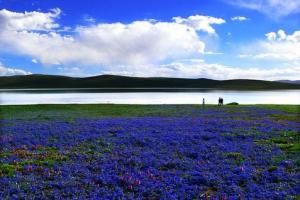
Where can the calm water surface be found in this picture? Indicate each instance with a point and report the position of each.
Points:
(148, 96)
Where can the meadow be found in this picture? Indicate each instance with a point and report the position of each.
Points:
(149, 152)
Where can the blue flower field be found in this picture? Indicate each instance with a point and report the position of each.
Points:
(149, 152)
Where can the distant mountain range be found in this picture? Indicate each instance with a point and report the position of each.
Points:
(289, 81)
(112, 81)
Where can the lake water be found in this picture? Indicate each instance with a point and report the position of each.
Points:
(148, 96)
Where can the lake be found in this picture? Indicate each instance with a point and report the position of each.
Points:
(145, 96)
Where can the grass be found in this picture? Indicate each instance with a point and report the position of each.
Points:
(72, 111)
(48, 112)
(287, 141)
(285, 108)
(236, 156)
(7, 169)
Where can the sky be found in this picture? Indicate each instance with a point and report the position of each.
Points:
(218, 39)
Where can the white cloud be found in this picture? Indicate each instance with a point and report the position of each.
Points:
(282, 36)
(239, 18)
(271, 36)
(89, 19)
(200, 69)
(273, 8)
(277, 46)
(140, 42)
(200, 23)
(4, 71)
(136, 43)
(28, 20)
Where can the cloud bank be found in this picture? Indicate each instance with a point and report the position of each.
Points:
(140, 42)
(4, 71)
(139, 48)
(199, 68)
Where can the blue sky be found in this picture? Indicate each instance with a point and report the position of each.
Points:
(256, 39)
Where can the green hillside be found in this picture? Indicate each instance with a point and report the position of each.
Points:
(111, 81)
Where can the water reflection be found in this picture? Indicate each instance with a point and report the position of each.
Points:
(149, 96)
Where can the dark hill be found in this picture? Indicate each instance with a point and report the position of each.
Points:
(111, 81)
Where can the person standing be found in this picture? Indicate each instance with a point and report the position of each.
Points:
(220, 103)
(203, 103)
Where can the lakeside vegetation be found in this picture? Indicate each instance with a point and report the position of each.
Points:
(72, 111)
